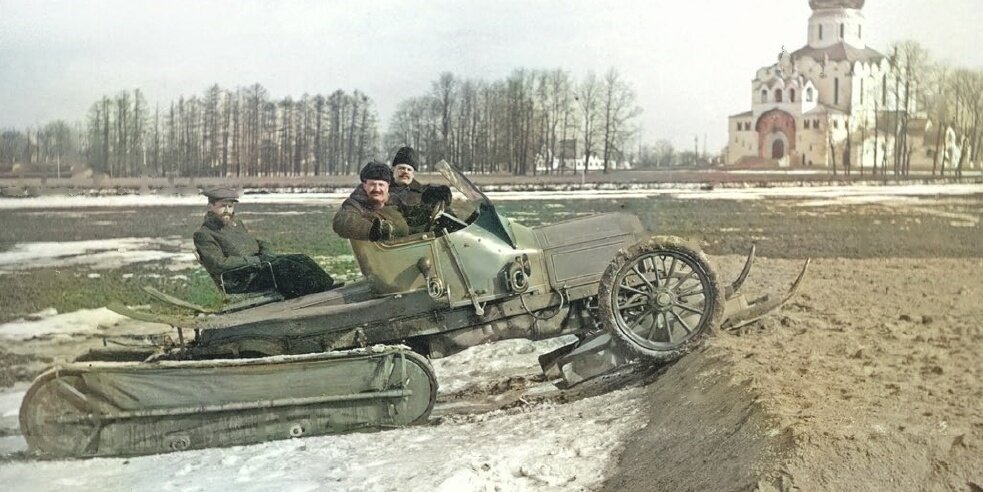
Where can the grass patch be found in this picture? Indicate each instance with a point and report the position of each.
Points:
(780, 227)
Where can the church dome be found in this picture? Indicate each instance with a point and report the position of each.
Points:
(836, 4)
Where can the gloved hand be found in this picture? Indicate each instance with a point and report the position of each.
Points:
(381, 230)
(433, 195)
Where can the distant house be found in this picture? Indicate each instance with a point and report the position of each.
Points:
(828, 103)
(568, 159)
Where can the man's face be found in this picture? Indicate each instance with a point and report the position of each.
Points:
(224, 209)
(403, 174)
(377, 190)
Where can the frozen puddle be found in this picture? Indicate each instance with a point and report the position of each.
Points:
(98, 253)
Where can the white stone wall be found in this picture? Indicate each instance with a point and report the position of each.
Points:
(743, 140)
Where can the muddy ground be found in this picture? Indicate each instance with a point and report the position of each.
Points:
(870, 379)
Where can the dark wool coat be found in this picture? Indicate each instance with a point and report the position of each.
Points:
(225, 247)
(408, 199)
(354, 218)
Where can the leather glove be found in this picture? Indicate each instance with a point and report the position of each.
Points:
(381, 230)
(433, 195)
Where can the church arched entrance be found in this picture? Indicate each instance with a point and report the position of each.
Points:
(776, 134)
(777, 149)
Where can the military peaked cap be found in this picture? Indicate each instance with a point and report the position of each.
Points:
(220, 193)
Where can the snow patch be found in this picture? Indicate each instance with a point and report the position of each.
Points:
(504, 193)
(97, 253)
(85, 321)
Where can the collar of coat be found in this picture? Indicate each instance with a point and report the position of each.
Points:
(361, 199)
(414, 185)
(214, 222)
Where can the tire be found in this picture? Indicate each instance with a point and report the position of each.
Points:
(660, 298)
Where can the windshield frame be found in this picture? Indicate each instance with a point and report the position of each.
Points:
(458, 180)
(487, 217)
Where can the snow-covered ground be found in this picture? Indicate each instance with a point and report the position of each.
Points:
(538, 447)
(98, 253)
(819, 194)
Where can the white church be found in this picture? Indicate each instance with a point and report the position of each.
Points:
(818, 106)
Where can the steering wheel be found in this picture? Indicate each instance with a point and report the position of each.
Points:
(438, 211)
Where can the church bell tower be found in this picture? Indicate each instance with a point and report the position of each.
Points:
(836, 21)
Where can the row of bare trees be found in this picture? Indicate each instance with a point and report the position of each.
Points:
(241, 132)
(533, 120)
(56, 145)
(233, 133)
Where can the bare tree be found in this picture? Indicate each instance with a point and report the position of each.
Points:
(619, 108)
(588, 98)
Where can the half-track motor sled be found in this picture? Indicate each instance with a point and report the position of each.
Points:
(324, 363)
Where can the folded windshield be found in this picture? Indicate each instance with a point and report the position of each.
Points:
(462, 183)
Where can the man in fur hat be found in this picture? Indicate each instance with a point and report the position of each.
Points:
(240, 263)
(364, 216)
(415, 201)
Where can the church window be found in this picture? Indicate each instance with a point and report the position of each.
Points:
(842, 30)
(836, 124)
(791, 95)
(815, 124)
(809, 94)
(860, 31)
(805, 124)
(836, 90)
(764, 95)
(861, 91)
(820, 31)
(884, 91)
(778, 95)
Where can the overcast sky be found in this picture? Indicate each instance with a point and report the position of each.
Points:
(690, 61)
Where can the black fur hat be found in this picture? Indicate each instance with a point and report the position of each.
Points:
(376, 170)
(408, 156)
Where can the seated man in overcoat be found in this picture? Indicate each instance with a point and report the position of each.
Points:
(240, 263)
(364, 215)
(416, 201)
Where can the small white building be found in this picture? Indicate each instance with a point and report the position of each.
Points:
(831, 102)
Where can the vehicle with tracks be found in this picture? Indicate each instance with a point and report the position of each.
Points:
(355, 357)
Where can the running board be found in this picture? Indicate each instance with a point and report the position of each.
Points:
(248, 302)
(172, 320)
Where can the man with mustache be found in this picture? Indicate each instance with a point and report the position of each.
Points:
(415, 201)
(239, 263)
(364, 216)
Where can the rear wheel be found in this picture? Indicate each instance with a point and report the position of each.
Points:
(57, 419)
(660, 298)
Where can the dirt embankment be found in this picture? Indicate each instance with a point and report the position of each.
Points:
(869, 380)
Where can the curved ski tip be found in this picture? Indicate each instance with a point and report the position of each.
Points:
(735, 286)
(798, 280)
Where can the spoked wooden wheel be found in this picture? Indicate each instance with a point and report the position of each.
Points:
(660, 298)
